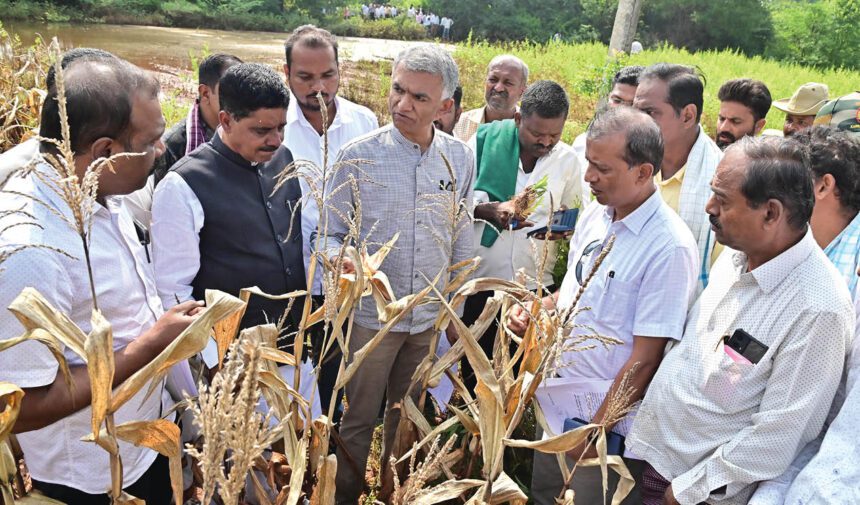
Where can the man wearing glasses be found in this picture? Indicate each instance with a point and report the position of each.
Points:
(638, 295)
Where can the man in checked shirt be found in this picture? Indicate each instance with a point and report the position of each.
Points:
(400, 191)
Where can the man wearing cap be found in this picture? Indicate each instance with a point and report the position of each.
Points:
(842, 114)
(801, 108)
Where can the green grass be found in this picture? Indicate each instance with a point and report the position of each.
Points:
(585, 71)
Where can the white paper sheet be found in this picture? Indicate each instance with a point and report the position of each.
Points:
(563, 398)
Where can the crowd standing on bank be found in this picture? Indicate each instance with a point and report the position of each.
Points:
(731, 286)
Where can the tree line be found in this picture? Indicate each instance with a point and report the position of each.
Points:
(820, 33)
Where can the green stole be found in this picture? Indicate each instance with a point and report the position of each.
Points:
(498, 155)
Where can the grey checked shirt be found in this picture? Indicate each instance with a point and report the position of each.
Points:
(404, 190)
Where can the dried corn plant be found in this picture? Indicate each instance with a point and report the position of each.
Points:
(22, 86)
(237, 437)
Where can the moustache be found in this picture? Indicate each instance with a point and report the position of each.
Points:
(502, 94)
(313, 98)
(268, 149)
(714, 221)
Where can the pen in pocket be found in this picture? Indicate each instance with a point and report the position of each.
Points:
(609, 277)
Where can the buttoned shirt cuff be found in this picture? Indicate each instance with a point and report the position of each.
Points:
(691, 488)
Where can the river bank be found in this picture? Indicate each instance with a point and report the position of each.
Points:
(233, 16)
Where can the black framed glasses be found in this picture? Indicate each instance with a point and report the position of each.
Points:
(585, 257)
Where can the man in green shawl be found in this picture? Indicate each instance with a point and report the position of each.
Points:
(511, 155)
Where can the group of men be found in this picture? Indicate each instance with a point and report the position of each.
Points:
(375, 11)
(730, 286)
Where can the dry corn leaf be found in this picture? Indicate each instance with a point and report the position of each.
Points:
(505, 490)
(227, 329)
(566, 441)
(34, 311)
(492, 427)
(53, 345)
(320, 433)
(162, 436)
(10, 399)
(474, 353)
(324, 491)
(409, 410)
(466, 420)
(456, 351)
(467, 268)
(374, 261)
(8, 468)
(448, 490)
(359, 357)
(100, 367)
(296, 457)
(191, 341)
(435, 432)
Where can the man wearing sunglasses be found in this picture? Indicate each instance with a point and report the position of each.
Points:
(638, 295)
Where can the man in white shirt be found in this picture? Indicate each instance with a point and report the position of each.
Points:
(535, 135)
(639, 295)
(835, 166)
(507, 79)
(113, 108)
(763, 350)
(673, 95)
(312, 68)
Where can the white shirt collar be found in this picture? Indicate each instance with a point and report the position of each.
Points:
(769, 275)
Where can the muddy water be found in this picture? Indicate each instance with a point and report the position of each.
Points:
(159, 48)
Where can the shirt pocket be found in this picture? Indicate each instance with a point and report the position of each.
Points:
(731, 385)
(617, 303)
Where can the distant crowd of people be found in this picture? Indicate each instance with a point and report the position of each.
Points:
(434, 26)
(730, 289)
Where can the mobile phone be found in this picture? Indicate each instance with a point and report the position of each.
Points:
(614, 441)
(563, 221)
(747, 346)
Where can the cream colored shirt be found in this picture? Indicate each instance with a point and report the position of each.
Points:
(709, 421)
(468, 124)
(670, 190)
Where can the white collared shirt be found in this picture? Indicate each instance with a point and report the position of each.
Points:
(351, 121)
(708, 421)
(642, 288)
(17, 157)
(513, 250)
(126, 293)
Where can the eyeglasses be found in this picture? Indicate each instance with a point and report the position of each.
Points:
(585, 257)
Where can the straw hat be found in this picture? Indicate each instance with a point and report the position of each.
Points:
(806, 101)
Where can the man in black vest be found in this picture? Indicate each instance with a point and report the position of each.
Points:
(216, 224)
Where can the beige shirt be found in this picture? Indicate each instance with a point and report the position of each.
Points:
(468, 124)
(715, 426)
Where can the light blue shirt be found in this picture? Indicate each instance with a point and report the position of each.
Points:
(844, 252)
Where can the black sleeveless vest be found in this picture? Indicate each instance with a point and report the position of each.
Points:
(247, 239)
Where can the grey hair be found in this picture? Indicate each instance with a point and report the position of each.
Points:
(512, 60)
(431, 59)
(643, 142)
